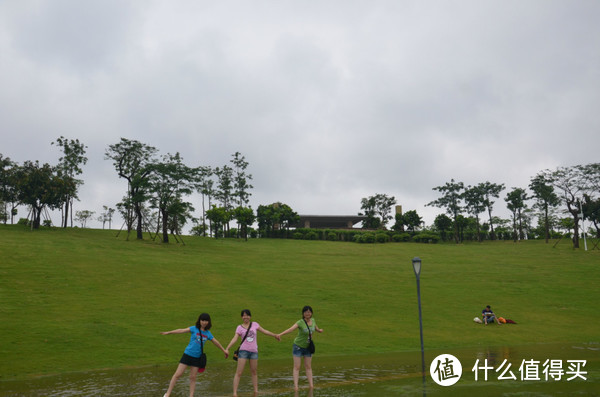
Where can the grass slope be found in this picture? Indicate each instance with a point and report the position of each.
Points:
(73, 299)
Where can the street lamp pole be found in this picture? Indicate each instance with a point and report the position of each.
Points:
(416, 262)
(582, 225)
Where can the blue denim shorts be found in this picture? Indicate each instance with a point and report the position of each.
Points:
(298, 351)
(248, 355)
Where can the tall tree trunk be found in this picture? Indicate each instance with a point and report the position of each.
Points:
(165, 229)
(138, 213)
(66, 214)
(547, 223)
(575, 213)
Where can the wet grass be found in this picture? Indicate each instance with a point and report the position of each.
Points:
(73, 299)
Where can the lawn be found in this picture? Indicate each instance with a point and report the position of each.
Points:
(80, 299)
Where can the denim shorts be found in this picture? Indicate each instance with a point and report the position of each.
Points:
(298, 351)
(248, 355)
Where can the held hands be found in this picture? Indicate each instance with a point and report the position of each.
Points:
(226, 353)
(278, 337)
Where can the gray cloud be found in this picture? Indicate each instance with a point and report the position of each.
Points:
(329, 102)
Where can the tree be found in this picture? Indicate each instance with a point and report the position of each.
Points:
(83, 216)
(8, 188)
(106, 216)
(490, 191)
(241, 180)
(224, 191)
(39, 187)
(591, 212)
(377, 210)
(275, 217)
(591, 206)
(125, 208)
(169, 181)
(131, 160)
(442, 223)
(241, 185)
(218, 216)
(543, 193)
(592, 172)
(412, 220)
(204, 185)
(287, 216)
(245, 217)
(572, 183)
(68, 167)
(475, 204)
(179, 214)
(451, 200)
(368, 207)
(515, 202)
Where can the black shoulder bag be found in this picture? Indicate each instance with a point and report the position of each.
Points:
(203, 355)
(311, 344)
(237, 352)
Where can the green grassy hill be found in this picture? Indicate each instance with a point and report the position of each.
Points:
(76, 299)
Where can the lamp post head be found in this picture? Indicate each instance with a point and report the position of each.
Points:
(416, 262)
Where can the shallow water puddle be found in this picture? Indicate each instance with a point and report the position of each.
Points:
(365, 375)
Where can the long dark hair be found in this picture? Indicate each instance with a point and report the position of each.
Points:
(206, 317)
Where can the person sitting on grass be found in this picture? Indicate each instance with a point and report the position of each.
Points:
(488, 315)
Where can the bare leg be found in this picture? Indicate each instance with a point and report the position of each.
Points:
(193, 374)
(308, 370)
(296, 371)
(176, 376)
(253, 371)
(238, 374)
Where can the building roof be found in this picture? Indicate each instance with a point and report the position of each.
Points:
(329, 221)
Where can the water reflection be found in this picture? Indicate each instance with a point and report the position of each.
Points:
(374, 375)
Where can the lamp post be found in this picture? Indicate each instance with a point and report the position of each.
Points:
(582, 225)
(416, 262)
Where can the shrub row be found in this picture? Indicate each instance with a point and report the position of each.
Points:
(363, 237)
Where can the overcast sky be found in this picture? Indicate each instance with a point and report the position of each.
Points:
(329, 101)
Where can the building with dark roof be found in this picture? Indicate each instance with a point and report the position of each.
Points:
(329, 221)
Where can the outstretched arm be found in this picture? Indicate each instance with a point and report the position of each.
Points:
(233, 340)
(177, 331)
(290, 329)
(267, 332)
(216, 343)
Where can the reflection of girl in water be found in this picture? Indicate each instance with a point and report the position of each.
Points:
(247, 331)
(191, 357)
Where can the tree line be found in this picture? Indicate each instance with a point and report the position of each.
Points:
(42, 186)
(572, 191)
(157, 195)
(158, 187)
